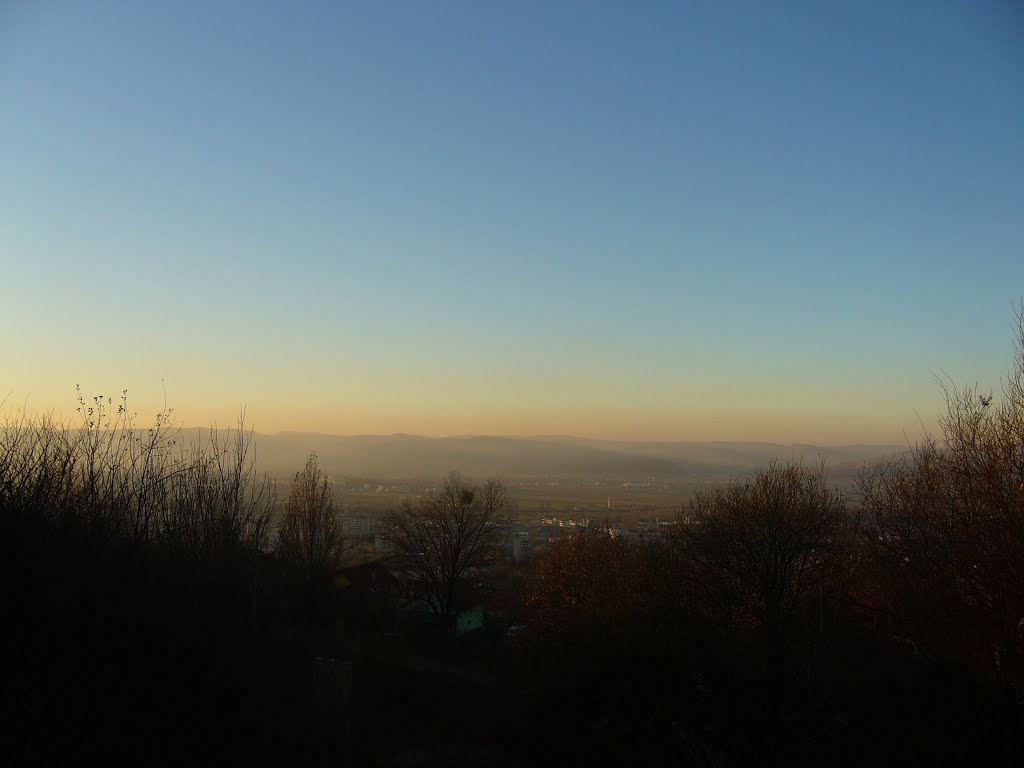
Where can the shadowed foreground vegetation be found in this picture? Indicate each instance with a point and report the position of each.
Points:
(151, 621)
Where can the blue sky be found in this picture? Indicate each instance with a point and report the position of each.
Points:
(668, 220)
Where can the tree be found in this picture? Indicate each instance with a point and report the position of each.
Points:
(753, 558)
(946, 523)
(448, 536)
(758, 547)
(584, 574)
(309, 536)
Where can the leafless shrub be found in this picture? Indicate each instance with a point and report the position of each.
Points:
(118, 482)
(218, 502)
(946, 522)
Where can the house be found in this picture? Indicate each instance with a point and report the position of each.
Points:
(522, 547)
(421, 613)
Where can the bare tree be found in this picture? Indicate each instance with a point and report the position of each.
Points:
(757, 559)
(759, 546)
(946, 521)
(446, 536)
(309, 536)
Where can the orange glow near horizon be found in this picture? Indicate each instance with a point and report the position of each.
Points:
(817, 426)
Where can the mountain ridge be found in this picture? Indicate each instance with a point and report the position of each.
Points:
(402, 455)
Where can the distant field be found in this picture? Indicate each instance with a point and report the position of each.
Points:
(627, 503)
(614, 502)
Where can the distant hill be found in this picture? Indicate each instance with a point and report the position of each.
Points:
(411, 456)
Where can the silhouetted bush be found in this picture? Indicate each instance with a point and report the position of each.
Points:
(130, 565)
(945, 522)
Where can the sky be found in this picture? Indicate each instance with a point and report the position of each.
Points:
(665, 221)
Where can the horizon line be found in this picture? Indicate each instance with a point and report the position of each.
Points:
(549, 436)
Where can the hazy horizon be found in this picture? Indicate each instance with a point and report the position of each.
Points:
(399, 456)
(740, 432)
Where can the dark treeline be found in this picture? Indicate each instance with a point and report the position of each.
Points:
(780, 621)
(161, 609)
(773, 624)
